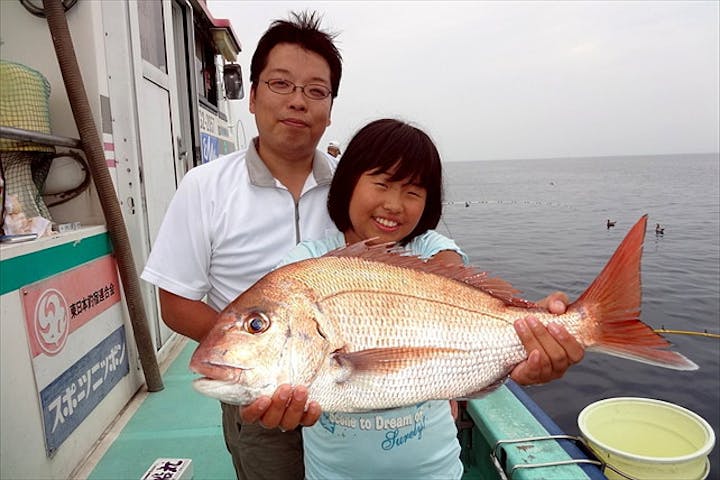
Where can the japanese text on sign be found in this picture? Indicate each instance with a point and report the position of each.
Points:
(92, 300)
(70, 398)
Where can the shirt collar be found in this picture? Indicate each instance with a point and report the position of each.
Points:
(260, 175)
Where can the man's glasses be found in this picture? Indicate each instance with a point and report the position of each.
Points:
(313, 91)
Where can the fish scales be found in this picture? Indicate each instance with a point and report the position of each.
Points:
(382, 331)
(415, 309)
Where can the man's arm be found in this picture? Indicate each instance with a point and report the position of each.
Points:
(192, 318)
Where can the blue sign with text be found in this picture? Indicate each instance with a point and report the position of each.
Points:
(209, 150)
(70, 398)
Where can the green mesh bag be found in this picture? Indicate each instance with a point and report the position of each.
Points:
(24, 96)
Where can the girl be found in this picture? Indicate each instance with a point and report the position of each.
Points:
(388, 188)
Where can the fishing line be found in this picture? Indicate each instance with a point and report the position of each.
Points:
(468, 203)
(704, 333)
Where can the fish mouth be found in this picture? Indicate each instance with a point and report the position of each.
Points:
(220, 371)
(227, 365)
(231, 392)
(225, 391)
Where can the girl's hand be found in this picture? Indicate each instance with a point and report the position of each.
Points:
(551, 350)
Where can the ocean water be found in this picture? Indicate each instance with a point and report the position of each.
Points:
(541, 225)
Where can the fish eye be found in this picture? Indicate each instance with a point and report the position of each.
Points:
(256, 322)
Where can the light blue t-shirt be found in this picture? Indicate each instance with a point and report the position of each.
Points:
(415, 442)
(424, 246)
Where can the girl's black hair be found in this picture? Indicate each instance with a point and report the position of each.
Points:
(379, 147)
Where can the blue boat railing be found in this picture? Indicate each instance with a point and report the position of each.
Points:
(516, 440)
(509, 475)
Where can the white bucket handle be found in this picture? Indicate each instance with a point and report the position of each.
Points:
(605, 465)
(602, 464)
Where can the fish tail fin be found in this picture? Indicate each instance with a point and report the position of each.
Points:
(611, 306)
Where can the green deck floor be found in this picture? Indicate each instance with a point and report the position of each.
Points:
(176, 422)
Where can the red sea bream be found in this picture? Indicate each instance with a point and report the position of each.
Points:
(364, 328)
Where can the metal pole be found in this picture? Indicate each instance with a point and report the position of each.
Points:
(60, 32)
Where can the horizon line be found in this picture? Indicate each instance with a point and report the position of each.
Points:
(579, 157)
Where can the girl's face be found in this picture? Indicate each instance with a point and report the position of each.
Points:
(384, 209)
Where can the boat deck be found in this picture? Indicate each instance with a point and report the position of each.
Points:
(176, 422)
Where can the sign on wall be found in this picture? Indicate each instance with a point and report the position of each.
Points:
(215, 138)
(78, 344)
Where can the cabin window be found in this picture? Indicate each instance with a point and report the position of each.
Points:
(152, 33)
(205, 69)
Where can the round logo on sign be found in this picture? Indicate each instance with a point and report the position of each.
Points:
(51, 322)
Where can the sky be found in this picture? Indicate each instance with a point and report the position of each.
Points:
(514, 80)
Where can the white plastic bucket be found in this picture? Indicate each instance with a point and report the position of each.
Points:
(647, 439)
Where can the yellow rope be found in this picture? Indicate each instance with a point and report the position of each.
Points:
(687, 332)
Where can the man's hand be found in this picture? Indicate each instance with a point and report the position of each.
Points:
(551, 350)
(556, 303)
(285, 410)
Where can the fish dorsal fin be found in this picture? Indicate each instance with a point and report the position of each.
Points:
(393, 254)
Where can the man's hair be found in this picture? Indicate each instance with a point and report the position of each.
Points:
(303, 30)
(379, 147)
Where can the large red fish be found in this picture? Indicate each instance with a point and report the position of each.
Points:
(366, 329)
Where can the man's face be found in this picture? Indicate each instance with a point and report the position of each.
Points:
(291, 125)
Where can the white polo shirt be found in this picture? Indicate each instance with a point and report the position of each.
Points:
(230, 222)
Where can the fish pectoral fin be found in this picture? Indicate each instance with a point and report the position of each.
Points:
(390, 359)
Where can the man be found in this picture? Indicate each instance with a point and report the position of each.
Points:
(214, 241)
(232, 220)
(334, 149)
